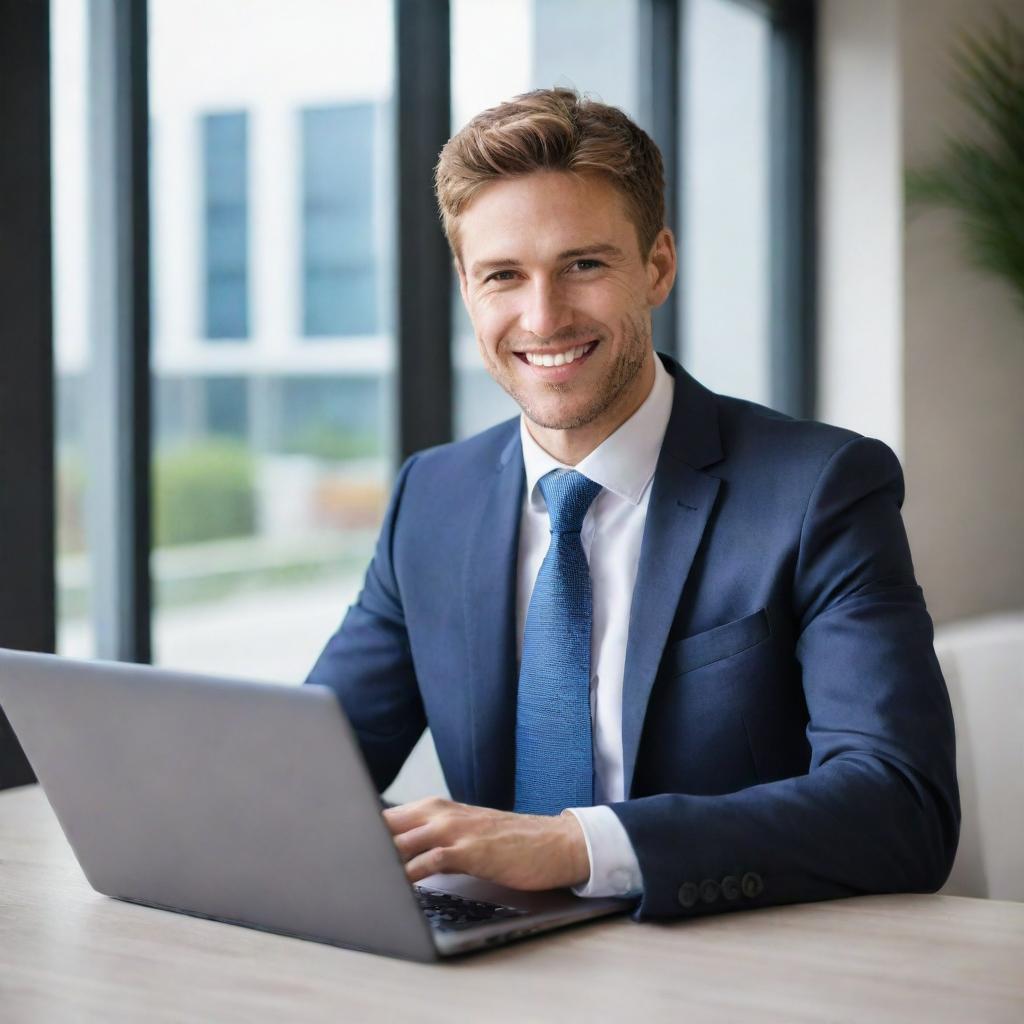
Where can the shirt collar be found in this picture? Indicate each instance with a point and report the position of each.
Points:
(624, 462)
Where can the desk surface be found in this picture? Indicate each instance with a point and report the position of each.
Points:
(67, 953)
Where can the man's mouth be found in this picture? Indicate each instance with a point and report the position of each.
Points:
(541, 357)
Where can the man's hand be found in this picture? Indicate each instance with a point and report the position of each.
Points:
(522, 851)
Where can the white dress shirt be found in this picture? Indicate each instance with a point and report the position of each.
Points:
(623, 464)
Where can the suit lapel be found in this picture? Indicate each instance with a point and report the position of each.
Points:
(682, 498)
(490, 595)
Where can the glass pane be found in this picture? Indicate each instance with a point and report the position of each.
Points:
(272, 357)
(724, 287)
(75, 635)
(225, 142)
(339, 257)
(591, 45)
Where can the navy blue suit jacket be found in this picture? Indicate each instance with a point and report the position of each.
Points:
(787, 734)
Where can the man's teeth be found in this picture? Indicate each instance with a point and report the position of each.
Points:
(546, 359)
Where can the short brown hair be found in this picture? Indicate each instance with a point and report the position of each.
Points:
(558, 130)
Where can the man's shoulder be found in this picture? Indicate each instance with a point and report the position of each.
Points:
(772, 438)
(471, 457)
(747, 436)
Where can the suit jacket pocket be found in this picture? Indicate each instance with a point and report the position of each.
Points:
(715, 644)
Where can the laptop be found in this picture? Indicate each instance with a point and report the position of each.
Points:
(247, 803)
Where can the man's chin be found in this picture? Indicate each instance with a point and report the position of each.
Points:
(555, 406)
(561, 418)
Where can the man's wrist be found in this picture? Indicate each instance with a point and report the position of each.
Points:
(576, 848)
(614, 868)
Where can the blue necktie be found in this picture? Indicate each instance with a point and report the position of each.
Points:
(554, 746)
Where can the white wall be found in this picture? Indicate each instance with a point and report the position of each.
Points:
(722, 293)
(916, 347)
(860, 211)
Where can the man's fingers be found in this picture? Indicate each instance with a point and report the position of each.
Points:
(437, 860)
(407, 816)
(416, 840)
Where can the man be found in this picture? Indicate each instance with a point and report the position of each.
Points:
(669, 643)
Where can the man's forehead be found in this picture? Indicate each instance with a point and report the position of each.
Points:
(548, 215)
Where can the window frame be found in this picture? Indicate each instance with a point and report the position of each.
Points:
(27, 545)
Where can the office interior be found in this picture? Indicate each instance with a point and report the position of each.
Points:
(229, 311)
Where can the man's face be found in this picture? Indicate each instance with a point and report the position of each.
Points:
(551, 272)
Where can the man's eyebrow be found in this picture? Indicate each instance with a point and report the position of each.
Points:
(598, 249)
(483, 265)
(602, 249)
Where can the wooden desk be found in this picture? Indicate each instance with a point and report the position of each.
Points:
(69, 954)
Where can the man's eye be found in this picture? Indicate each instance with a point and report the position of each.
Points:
(500, 275)
(587, 264)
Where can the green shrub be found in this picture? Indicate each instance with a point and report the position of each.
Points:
(203, 491)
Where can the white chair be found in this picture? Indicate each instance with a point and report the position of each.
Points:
(983, 662)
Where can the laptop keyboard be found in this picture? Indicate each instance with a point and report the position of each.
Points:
(448, 912)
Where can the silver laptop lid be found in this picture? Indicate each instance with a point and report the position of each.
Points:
(245, 802)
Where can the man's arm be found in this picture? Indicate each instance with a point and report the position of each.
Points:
(878, 810)
(368, 662)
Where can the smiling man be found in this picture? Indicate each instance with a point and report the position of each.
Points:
(669, 643)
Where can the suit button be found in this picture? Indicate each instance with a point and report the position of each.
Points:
(752, 885)
(688, 894)
(731, 887)
(709, 890)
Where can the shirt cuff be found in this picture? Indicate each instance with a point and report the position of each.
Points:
(614, 869)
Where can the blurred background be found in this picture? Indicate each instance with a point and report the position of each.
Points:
(230, 314)
(272, 281)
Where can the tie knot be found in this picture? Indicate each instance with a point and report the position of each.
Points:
(568, 496)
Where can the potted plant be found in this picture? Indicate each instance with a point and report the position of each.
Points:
(982, 176)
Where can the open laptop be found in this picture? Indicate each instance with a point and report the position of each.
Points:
(247, 803)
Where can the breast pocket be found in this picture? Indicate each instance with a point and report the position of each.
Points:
(716, 644)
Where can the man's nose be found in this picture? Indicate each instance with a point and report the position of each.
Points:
(546, 311)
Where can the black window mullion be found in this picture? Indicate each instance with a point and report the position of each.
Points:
(792, 176)
(135, 266)
(424, 291)
(27, 585)
(665, 21)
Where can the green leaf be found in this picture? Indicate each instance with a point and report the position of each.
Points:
(982, 177)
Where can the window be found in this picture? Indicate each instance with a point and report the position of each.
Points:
(271, 459)
(73, 354)
(226, 224)
(339, 275)
(227, 407)
(723, 287)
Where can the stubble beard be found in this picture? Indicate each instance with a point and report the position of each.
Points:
(621, 375)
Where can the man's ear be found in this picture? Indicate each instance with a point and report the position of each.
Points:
(661, 267)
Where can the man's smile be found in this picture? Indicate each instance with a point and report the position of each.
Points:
(554, 366)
